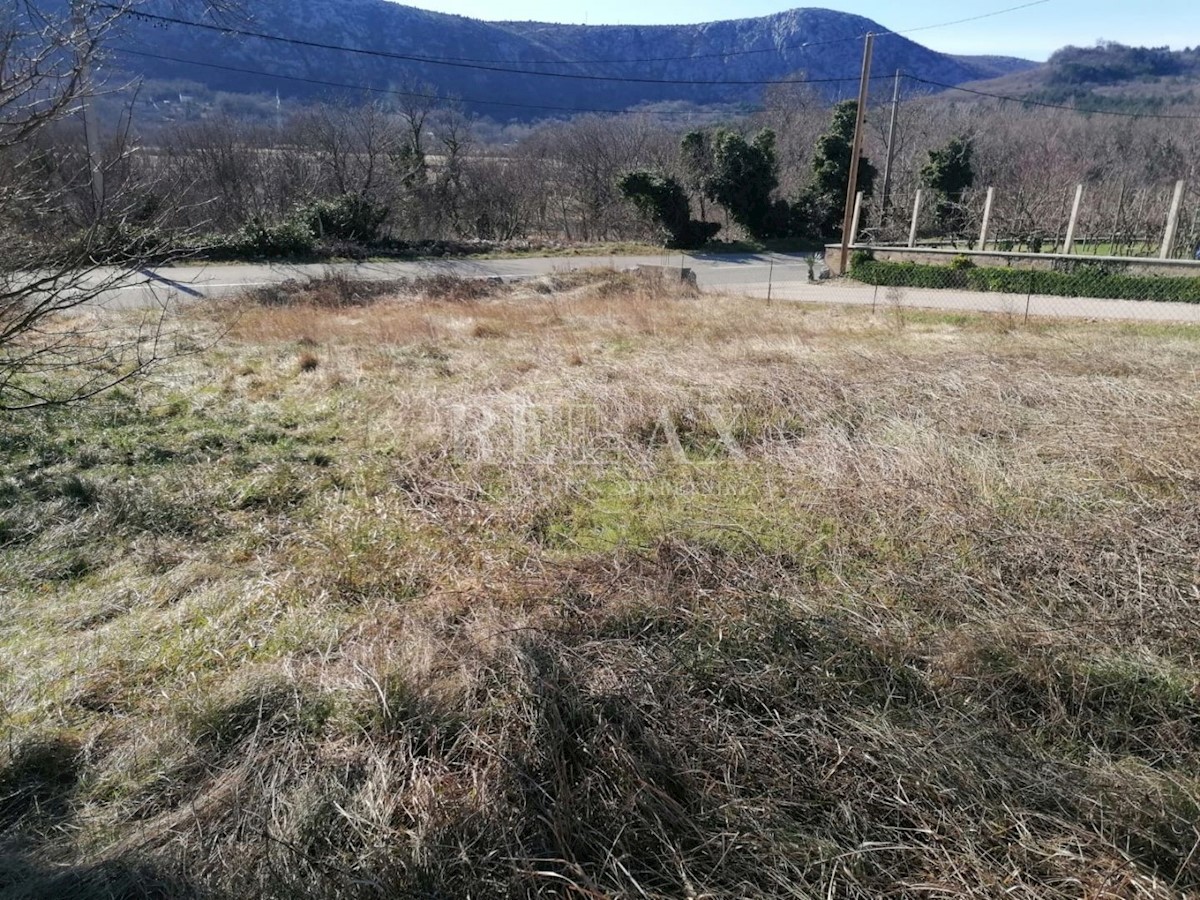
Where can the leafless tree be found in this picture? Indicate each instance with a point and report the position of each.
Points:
(56, 251)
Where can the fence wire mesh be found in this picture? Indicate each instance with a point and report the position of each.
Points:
(1097, 251)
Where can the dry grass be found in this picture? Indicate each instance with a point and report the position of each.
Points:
(587, 588)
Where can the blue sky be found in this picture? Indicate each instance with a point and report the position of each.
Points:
(1034, 32)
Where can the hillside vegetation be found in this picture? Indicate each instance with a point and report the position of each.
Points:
(1113, 77)
(1114, 63)
(589, 588)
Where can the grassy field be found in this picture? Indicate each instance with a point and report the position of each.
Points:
(589, 589)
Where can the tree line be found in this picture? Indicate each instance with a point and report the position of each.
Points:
(342, 179)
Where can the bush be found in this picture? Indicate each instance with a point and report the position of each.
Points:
(663, 200)
(454, 289)
(291, 237)
(117, 243)
(350, 217)
(1080, 281)
(861, 258)
(333, 290)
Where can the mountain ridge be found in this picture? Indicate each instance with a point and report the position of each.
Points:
(586, 67)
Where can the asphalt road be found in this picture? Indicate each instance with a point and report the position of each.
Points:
(780, 276)
(196, 282)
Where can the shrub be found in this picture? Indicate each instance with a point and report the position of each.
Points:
(453, 289)
(333, 290)
(288, 238)
(663, 200)
(350, 217)
(861, 258)
(116, 243)
(1082, 280)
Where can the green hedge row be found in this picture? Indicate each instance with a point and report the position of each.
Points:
(1085, 281)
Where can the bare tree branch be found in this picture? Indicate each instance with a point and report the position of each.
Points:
(63, 253)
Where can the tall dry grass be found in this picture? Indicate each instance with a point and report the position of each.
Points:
(585, 587)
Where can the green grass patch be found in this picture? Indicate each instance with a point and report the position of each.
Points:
(728, 508)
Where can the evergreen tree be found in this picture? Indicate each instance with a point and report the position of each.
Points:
(743, 177)
(824, 201)
(665, 202)
(950, 172)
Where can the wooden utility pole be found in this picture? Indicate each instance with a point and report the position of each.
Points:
(886, 199)
(83, 54)
(856, 152)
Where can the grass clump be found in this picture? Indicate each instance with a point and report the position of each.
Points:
(456, 289)
(265, 711)
(335, 289)
(37, 780)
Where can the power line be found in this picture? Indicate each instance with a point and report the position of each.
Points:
(978, 18)
(1045, 105)
(602, 78)
(716, 55)
(611, 111)
(353, 87)
(430, 60)
(377, 90)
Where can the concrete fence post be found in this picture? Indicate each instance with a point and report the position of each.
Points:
(987, 218)
(916, 218)
(858, 204)
(1168, 245)
(1069, 241)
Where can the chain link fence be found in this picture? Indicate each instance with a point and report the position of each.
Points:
(1025, 286)
(1098, 251)
(1086, 291)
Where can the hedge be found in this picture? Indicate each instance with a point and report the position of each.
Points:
(1085, 281)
